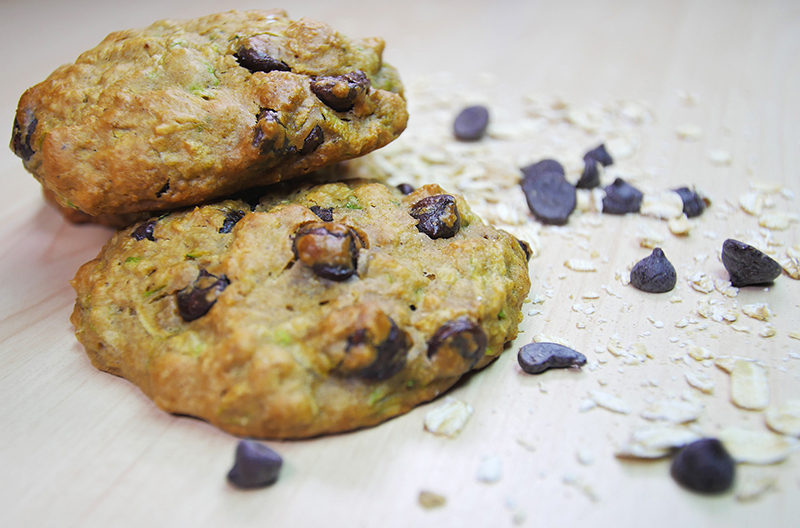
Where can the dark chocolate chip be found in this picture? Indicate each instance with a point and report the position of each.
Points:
(654, 273)
(255, 466)
(590, 178)
(542, 167)
(324, 213)
(340, 92)
(196, 300)
(621, 198)
(535, 358)
(163, 190)
(747, 265)
(470, 124)
(21, 138)
(438, 216)
(600, 155)
(231, 220)
(704, 466)
(526, 248)
(265, 119)
(389, 353)
(463, 336)
(693, 203)
(551, 198)
(259, 61)
(145, 230)
(313, 140)
(329, 249)
(405, 188)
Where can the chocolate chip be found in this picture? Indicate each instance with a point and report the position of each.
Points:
(600, 155)
(654, 273)
(704, 466)
(230, 220)
(259, 61)
(21, 137)
(590, 178)
(747, 265)
(163, 190)
(438, 216)
(461, 338)
(693, 203)
(196, 300)
(621, 198)
(324, 213)
(551, 198)
(145, 230)
(526, 248)
(340, 92)
(542, 167)
(255, 466)
(470, 124)
(329, 249)
(266, 119)
(405, 188)
(313, 140)
(389, 351)
(535, 358)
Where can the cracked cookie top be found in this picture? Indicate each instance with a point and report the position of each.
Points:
(184, 111)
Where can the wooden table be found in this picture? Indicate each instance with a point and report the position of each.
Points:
(82, 448)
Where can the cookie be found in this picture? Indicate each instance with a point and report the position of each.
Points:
(319, 309)
(182, 112)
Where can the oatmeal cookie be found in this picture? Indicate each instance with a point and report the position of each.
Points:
(318, 309)
(185, 111)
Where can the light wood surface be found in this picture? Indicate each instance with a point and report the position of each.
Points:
(83, 448)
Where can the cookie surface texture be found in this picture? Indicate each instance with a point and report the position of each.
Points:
(184, 111)
(321, 309)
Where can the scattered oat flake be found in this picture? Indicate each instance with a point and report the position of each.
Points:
(649, 238)
(727, 363)
(610, 402)
(794, 334)
(767, 331)
(700, 353)
(664, 205)
(752, 203)
(757, 447)
(580, 265)
(701, 282)
(689, 132)
(676, 299)
(490, 469)
(777, 220)
(749, 385)
(750, 488)
(680, 225)
(544, 338)
(701, 382)
(590, 295)
(656, 441)
(758, 311)
(720, 157)
(585, 456)
(449, 418)
(784, 418)
(673, 411)
(430, 500)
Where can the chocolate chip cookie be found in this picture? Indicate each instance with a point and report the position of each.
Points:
(185, 111)
(316, 309)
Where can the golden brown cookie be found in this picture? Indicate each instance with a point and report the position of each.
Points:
(321, 309)
(184, 111)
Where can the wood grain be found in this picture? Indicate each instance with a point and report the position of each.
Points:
(82, 448)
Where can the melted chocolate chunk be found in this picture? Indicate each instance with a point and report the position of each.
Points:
(196, 300)
(389, 353)
(462, 336)
(145, 230)
(535, 358)
(324, 213)
(621, 198)
(329, 249)
(231, 220)
(747, 265)
(438, 216)
(704, 466)
(21, 138)
(405, 188)
(255, 465)
(163, 190)
(551, 198)
(526, 248)
(654, 273)
(313, 140)
(259, 61)
(340, 92)
(471, 123)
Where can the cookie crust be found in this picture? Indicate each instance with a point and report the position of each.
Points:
(184, 111)
(280, 350)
